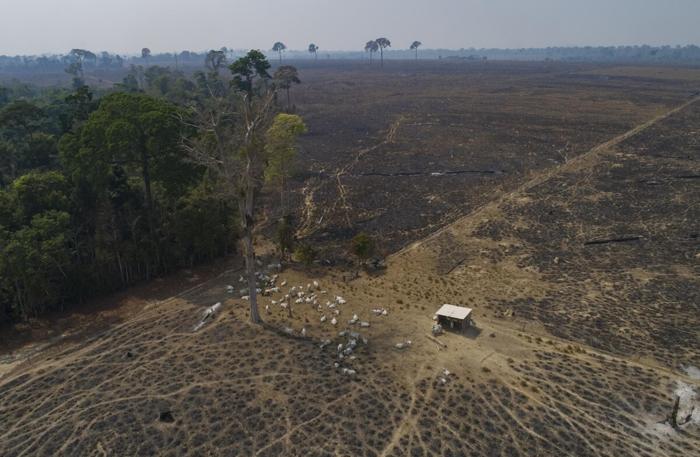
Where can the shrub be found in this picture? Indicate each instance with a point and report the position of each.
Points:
(363, 246)
(305, 253)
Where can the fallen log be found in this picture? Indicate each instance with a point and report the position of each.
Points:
(612, 240)
(435, 340)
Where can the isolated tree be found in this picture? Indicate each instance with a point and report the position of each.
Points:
(284, 77)
(306, 254)
(77, 58)
(371, 47)
(414, 47)
(278, 47)
(215, 60)
(146, 55)
(363, 247)
(313, 49)
(382, 43)
(232, 130)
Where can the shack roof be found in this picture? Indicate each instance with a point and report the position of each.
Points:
(454, 312)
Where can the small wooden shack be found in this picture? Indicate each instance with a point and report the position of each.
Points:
(454, 317)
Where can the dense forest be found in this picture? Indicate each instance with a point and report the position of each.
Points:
(101, 189)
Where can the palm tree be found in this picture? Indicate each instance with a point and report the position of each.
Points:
(313, 49)
(383, 43)
(414, 46)
(279, 47)
(371, 47)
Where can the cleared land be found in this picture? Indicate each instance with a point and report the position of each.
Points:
(582, 265)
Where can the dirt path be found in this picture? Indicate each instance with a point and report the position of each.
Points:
(308, 223)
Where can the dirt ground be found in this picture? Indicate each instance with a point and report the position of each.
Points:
(583, 273)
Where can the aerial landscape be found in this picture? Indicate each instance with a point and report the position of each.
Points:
(298, 240)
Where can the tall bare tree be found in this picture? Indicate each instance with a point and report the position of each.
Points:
(383, 43)
(230, 142)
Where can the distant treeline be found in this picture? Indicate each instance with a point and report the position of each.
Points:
(106, 60)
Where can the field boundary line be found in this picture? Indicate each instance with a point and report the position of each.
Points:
(546, 175)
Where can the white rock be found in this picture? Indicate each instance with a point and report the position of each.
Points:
(334, 321)
(323, 318)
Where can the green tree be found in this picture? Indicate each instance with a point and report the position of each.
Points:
(20, 120)
(34, 262)
(248, 70)
(281, 151)
(284, 77)
(35, 254)
(363, 247)
(138, 134)
(306, 254)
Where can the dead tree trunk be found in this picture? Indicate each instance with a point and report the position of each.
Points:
(673, 417)
(247, 205)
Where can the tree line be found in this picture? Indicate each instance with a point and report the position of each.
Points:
(101, 189)
(106, 60)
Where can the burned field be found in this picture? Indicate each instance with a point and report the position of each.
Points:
(613, 239)
(403, 151)
(560, 202)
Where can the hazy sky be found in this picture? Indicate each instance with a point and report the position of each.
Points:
(39, 26)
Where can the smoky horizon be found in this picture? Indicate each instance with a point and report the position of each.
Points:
(36, 27)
